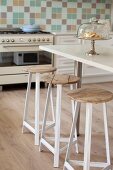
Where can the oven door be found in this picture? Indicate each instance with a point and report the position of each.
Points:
(31, 58)
(26, 58)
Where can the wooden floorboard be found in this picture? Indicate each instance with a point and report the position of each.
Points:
(17, 150)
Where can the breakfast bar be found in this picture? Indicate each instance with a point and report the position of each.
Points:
(78, 53)
(102, 59)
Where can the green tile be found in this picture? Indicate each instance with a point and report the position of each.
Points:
(103, 1)
(84, 10)
(107, 16)
(87, 5)
(38, 3)
(58, 27)
(56, 10)
(71, 16)
(97, 11)
(15, 15)
(15, 21)
(54, 27)
(43, 15)
(32, 3)
(3, 2)
(21, 15)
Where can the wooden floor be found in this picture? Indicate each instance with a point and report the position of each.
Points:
(17, 150)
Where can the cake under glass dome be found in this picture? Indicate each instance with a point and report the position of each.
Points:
(93, 30)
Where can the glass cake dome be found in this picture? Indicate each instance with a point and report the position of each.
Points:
(94, 29)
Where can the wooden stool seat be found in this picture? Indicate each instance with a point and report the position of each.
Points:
(61, 79)
(39, 69)
(91, 95)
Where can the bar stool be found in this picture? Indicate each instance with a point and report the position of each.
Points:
(89, 96)
(37, 70)
(59, 81)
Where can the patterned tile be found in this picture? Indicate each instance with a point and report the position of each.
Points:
(52, 15)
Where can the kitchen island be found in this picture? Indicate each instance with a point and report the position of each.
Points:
(78, 53)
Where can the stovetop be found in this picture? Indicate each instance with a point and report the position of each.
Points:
(17, 36)
(19, 31)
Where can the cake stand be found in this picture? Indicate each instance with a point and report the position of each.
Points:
(92, 50)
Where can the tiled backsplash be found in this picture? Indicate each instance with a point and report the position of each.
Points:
(52, 15)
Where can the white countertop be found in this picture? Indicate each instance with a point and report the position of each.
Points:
(78, 53)
(64, 33)
(67, 32)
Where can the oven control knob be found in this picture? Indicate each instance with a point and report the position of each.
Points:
(38, 39)
(47, 39)
(3, 40)
(29, 40)
(7, 40)
(43, 39)
(12, 40)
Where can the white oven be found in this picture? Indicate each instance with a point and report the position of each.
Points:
(24, 50)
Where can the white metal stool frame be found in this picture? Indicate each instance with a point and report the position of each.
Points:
(26, 123)
(87, 146)
(56, 150)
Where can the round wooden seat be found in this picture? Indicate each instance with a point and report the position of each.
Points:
(40, 69)
(91, 95)
(61, 79)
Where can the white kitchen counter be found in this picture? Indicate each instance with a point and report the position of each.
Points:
(90, 74)
(64, 33)
(68, 33)
(78, 53)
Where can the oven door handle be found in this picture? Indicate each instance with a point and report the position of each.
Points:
(24, 45)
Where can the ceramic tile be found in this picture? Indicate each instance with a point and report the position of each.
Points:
(51, 14)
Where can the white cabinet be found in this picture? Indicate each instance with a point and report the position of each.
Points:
(92, 74)
(64, 65)
(15, 75)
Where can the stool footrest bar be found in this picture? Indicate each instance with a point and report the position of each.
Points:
(92, 164)
(28, 126)
(68, 166)
(65, 140)
(45, 143)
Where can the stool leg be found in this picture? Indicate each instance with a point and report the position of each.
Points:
(25, 117)
(37, 104)
(52, 106)
(57, 126)
(106, 133)
(87, 144)
(77, 105)
(45, 115)
(73, 111)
